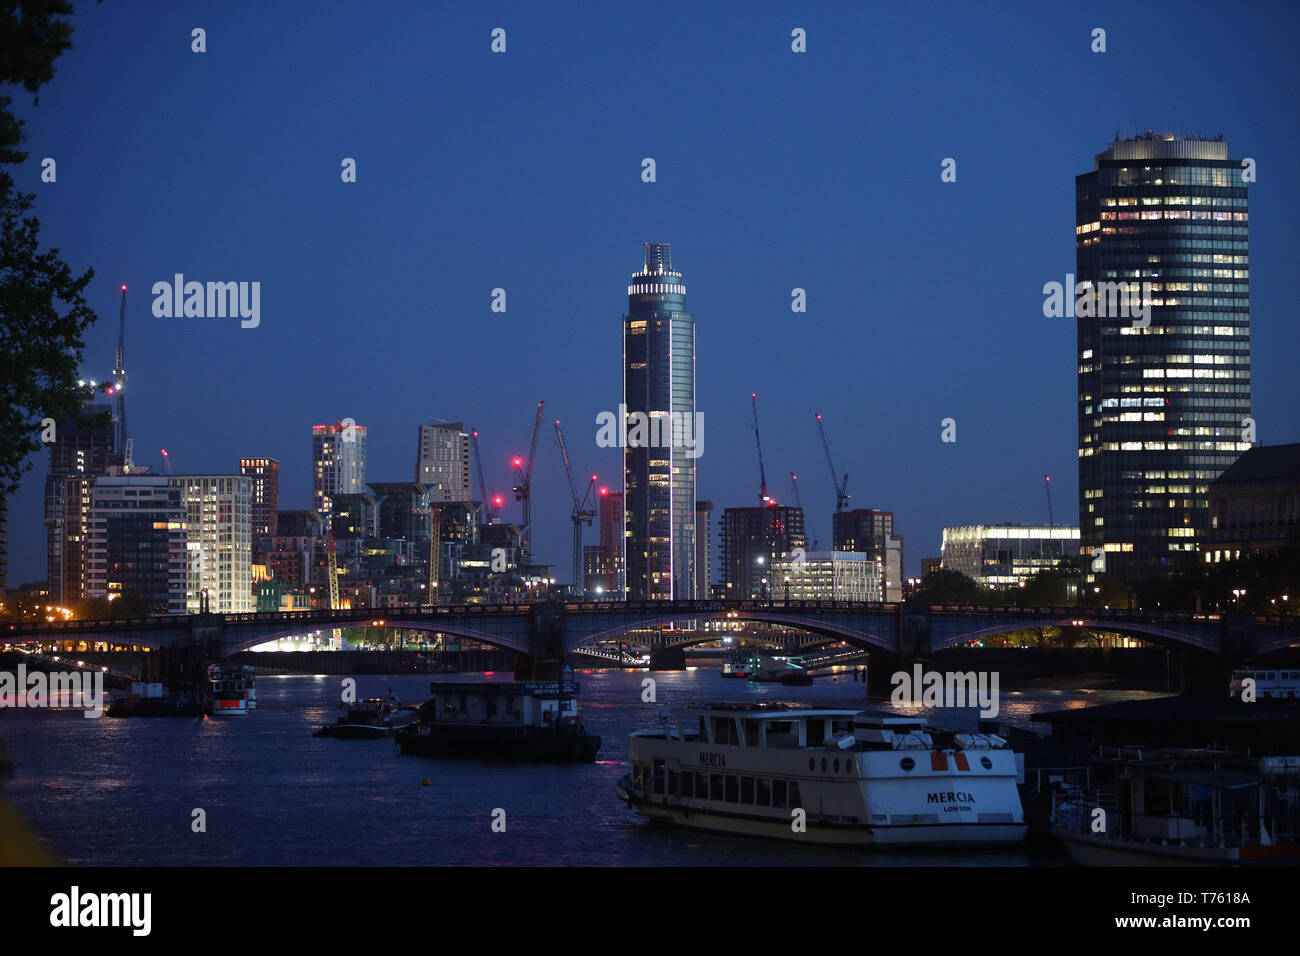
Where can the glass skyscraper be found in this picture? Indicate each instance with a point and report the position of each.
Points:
(659, 419)
(1161, 407)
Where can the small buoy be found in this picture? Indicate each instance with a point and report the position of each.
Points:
(424, 782)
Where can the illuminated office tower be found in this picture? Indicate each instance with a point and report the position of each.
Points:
(1162, 406)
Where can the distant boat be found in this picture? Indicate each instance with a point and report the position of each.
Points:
(233, 689)
(370, 719)
(517, 720)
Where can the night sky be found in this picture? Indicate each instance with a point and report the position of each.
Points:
(522, 170)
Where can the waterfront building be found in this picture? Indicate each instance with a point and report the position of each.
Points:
(1007, 555)
(137, 542)
(218, 512)
(827, 576)
(1164, 399)
(658, 466)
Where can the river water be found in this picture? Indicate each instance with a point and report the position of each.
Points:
(124, 791)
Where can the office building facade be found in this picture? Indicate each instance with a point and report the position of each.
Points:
(1164, 397)
(1003, 556)
(826, 576)
(659, 421)
(752, 539)
(871, 532)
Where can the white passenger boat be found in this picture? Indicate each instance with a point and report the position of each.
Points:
(860, 778)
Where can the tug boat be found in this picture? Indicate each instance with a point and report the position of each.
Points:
(834, 777)
(232, 689)
(370, 719)
(1182, 808)
(517, 720)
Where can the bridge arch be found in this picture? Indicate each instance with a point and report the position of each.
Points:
(880, 637)
(1146, 631)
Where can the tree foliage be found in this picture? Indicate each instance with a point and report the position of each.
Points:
(43, 311)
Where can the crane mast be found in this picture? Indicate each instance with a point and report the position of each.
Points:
(841, 484)
(524, 489)
(121, 440)
(1047, 483)
(486, 493)
(581, 512)
(762, 475)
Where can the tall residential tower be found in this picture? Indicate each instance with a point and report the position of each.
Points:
(662, 437)
(338, 454)
(1162, 406)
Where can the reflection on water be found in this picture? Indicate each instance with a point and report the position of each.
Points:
(123, 792)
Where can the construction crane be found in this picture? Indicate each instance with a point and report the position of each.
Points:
(491, 500)
(524, 489)
(1047, 483)
(794, 484)
(582, 513)
(762, 475)
(332, 559)
(841, 484)
(119, 385)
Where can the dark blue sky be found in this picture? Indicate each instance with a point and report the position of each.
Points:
(522, 171)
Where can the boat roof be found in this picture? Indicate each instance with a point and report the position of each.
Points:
(1218, 779)
(775, 709)
(533, 688)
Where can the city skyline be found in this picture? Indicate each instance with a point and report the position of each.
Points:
(905, 326)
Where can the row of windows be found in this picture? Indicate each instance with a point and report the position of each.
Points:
(1226, 201)
(729, 787)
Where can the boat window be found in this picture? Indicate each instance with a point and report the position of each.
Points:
(673, 782)
(747, 790)
(763, 792)
(700, 731)
(688, 784)
(841, 727)
(778, 793)
(715, 786)
(816, 733)
(733, 789)
(795, 800)
(702, 786)
(659, 777)
(724, 731)
(782, 734)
